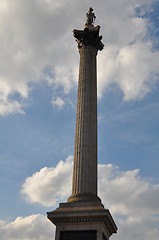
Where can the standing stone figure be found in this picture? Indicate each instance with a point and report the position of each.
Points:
(90, 16)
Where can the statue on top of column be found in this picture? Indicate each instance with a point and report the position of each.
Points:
(90, 17)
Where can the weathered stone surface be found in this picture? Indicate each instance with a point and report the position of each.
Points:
(85, 152)
(89, 37)
(80, 216)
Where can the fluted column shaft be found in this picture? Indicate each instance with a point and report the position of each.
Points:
(85, 152)
(84, 183)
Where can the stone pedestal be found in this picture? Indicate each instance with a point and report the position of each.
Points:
(82, 221)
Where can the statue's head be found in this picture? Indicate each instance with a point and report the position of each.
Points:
(90, 10)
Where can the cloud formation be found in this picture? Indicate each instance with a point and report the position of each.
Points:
(26, 228)
(37, 45)
(133, 68)
(58, 102)
(126, 190)
(132, 200)
(49, 185)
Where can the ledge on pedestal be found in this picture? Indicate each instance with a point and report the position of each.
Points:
(82, 216)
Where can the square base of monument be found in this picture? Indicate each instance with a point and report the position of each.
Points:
(81, 232)
(78, 235)
(96, 234)
(82, 221)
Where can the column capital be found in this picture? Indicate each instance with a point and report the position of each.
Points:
(89, 37)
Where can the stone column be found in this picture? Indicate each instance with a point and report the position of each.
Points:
(85, 152)
(84, 183)
(83, 216)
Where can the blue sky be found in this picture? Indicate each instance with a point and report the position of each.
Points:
(38, 91)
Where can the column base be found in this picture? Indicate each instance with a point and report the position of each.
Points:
(84, 197)
(82, 220)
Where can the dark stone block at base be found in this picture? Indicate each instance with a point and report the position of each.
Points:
(78, 235)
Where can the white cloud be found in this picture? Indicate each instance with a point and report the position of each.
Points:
(132, 200)
(136, 230)
(50, 185)
(30, 41)
(128, 194)
(58, 102)
(9, 107)
(36, 35)
(133, 68)
(27, 228)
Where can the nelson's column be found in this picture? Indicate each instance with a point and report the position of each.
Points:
(83, 216)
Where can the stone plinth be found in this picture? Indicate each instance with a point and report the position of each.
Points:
(81, 221)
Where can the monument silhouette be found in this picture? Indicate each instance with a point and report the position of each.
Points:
(83, 216)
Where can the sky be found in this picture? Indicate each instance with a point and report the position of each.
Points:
(38, 90)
